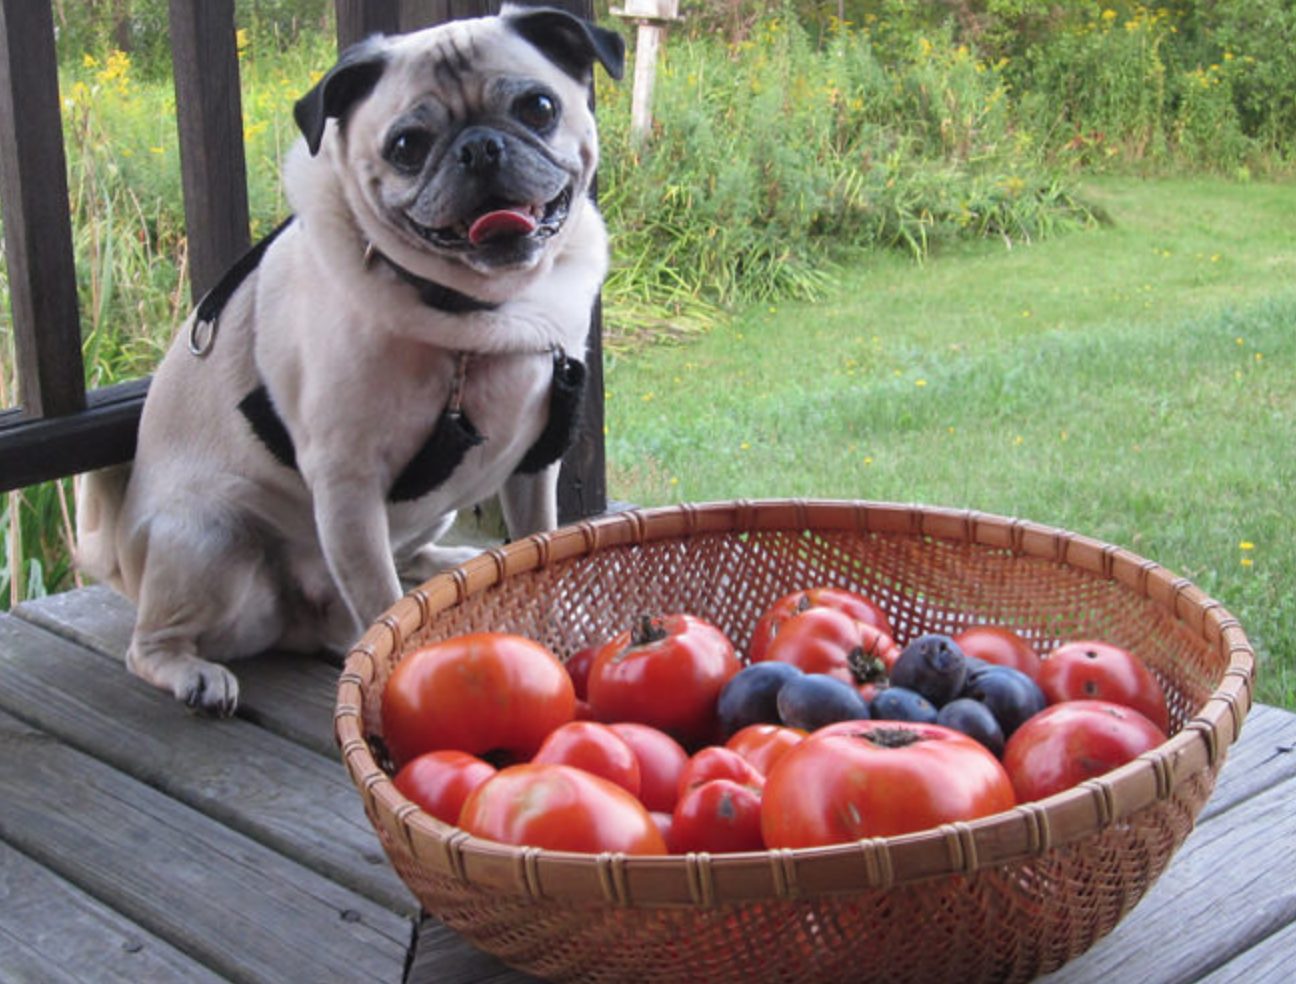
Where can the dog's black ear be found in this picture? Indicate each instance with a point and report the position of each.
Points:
(568, 41)
(346, 83)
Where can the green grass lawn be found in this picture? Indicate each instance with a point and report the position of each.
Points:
(1133, 383)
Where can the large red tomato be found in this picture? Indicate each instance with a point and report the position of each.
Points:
(439, 782)
(825, 640)
(877, 779)
(476, 693)
(594, 747)
(667, 672)
(661, 762)
(1090, 670)
(856, 605)
(1076, 740)
(720, 815)
(1001, 646)
(560, 808)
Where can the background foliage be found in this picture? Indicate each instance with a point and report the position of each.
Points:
(790, 140)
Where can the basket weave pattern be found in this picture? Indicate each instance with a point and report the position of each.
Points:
(1003, 898)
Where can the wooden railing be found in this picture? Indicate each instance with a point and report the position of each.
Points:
(58, 428)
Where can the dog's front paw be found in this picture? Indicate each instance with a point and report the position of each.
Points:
(204, 686)
(431, 559)
(209, 688)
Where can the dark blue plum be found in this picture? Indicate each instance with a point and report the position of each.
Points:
(934, 666)
(975, 720)
(816, 699)
(751, 696)
(903, 704)
(1010, 694)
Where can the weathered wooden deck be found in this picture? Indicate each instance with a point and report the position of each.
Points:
(141, 843)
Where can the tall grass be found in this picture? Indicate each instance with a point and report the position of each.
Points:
(774, 157)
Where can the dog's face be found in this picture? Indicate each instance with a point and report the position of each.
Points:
(472, 141)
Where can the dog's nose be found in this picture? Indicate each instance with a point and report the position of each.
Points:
(480, 151)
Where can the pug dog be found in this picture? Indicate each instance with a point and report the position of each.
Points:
(409, 343)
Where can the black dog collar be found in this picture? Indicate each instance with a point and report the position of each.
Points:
(431, 293)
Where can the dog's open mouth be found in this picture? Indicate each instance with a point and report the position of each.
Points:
(501, 221)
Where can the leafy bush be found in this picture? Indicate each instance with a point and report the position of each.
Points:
(772, 156)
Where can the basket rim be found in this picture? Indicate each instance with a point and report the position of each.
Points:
(1027, 831)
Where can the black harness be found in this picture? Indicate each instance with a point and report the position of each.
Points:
(453, 435)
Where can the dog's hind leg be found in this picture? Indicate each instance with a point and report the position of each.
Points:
(205, 593)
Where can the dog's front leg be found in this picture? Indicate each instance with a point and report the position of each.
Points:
(351, 521)
(530, 502)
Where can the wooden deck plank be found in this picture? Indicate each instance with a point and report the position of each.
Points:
(1268, 961)
(52, 931)
(232, 904)
(1265, 754)
(286, 796)
(289, 694)
(1229, 888)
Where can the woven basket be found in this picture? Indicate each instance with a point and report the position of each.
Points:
(1003, 898)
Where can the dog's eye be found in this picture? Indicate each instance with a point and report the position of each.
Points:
(536, 110)
(408, 149)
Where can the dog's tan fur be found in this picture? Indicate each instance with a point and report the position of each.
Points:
(227, 551)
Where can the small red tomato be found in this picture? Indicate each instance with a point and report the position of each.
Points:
(825, 640)
(667, 672)
(578, 667)
(1076, 740)
(475, 693)
(718, 762)
(594, 747)
(717, 816)
(439, 782)
(877, 779)
(560, 808)
(852, 603)
(1090, 670)
(764, 744)
(661, 762)
(663, 821)
(1001, 646)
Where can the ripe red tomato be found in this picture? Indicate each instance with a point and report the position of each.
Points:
(717, 762)
(825, 640)
(667, 672)
(1001, 646)
(661, 762)
(578, 667)
(439, 782)
(1076, 740)
(856, 605)
(1090, 670)
(720, 815)
(560, 808)
(878, 779)
(594, 747)
(764, 744)
(475, 693)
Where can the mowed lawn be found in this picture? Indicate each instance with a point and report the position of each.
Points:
(1133, 383)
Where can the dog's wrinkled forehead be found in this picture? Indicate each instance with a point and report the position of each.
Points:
(459, 61)
(537, 43)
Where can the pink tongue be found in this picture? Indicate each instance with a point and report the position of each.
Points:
(504, 222)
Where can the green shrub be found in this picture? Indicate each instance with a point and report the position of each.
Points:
(771, 157)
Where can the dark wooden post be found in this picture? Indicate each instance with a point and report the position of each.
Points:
(212, 161)
(357, 19)
(37, 228)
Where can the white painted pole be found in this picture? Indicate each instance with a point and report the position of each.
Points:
(645, 76)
